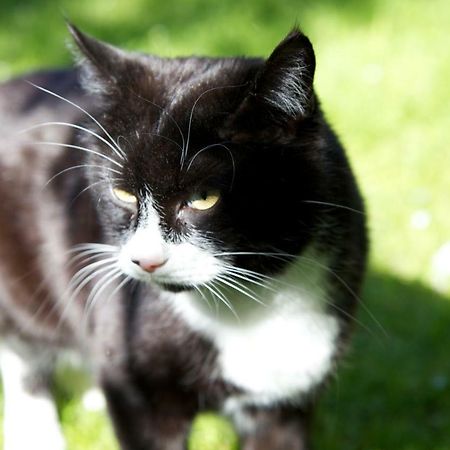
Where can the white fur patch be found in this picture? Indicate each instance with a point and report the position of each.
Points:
(31, 420)
(279, 347)
(186, 263)
(277, 352)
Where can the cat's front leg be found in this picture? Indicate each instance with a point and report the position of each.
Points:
(160, 420)
(30, 416)
(278, 428)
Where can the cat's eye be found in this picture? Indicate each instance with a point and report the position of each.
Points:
(204, 200)
(124, 196)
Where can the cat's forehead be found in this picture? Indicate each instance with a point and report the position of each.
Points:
(188, 90)
(186, 79)
(175, 139)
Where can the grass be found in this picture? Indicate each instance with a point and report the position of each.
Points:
(382, 75)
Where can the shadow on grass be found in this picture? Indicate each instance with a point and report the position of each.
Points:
(394, 393)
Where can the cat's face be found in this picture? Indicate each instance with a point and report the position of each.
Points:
(213, 164)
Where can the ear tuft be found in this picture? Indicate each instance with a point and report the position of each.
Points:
(286, 80)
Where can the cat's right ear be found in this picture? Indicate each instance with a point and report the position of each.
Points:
(102, 64)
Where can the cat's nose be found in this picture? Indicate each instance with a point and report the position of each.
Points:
(149, 265)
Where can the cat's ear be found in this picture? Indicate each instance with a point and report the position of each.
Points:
(102, 64)
(282, 93)
(285, 83)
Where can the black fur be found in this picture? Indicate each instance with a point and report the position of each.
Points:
(257, 134)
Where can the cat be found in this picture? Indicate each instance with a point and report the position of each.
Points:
(191, 227)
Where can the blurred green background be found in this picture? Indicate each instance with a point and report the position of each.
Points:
(383, 74)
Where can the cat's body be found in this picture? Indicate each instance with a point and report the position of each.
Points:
(224, 191)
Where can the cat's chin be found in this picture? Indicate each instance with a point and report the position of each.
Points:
(175, 288)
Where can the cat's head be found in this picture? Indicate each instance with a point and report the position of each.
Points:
(208, 164)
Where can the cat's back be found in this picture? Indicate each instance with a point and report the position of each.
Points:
(33, 222)
(21, 101)
(25, 113)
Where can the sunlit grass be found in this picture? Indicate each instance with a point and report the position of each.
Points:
(383, 74)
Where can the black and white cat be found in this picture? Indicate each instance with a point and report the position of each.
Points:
(191, 227)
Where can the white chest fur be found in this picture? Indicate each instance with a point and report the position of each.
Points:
(275, 352)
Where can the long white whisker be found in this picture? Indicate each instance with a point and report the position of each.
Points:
(79, 167)
(92, 245)
(282, 256)
(120, 286)
(89, 187)
(236, 270)
(186, 148)
(166, 138)
(211, 146)
(257, 282)
(88, 248)
(163, 111)
(203, 296)
(84, 259)
(85, 256)
(100, 286)
(117, 150)
(215, 290)
(240, 288)
(70, 125)
(77, 147)
(349, 290)
(78, 277)
(251, 273)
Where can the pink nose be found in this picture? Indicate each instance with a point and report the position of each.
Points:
(148, 265)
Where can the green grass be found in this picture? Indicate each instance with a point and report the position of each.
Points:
(383, 76)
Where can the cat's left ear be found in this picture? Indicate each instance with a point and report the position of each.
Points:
(285, 83)
(282, 94)
(102, 64)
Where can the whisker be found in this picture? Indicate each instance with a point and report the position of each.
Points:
(94, 246)
(240, 288)
(82, 278)
(126, 280)
(204, 297)
(82, 250)
(186, 147)
(211, 146)
(215, 290)
(326, 268)
(282, 256)
(166, 138)
(348, 288)
(89, 187)
(246, 278)
(83, 260)
(79, 275)
(163, 111)
(79, 167)
(100, 287)
(77, 147)
(334, 205)
(246, 272)
(116, 150)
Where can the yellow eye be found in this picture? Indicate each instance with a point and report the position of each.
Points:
(204, 200)
(124, 196)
